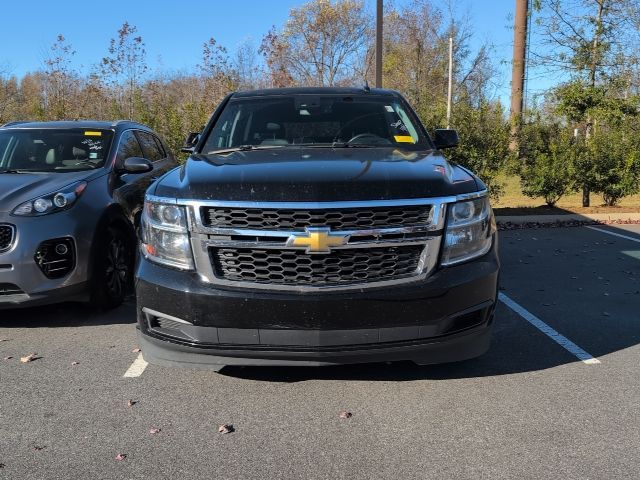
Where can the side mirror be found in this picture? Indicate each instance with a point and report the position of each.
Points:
(136, 165)
(446, 138)
(191, 142)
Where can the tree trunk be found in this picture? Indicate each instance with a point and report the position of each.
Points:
(592, 81)
(585, 197)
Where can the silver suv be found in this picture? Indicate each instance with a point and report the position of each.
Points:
(71, 194)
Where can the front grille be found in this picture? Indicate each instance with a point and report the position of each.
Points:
(6, 237)
(294, 267)
(299, 219)
(10, 289)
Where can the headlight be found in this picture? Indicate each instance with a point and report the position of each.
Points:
(165, 237)
(52, 202)
(470, 228)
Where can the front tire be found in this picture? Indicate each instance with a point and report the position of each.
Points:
(113, 270)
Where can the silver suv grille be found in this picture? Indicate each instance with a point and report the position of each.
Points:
(299, 219)
(6, 237)
(340, 267)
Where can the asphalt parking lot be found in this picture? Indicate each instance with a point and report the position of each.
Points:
(557, 396)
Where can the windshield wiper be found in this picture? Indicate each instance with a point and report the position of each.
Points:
(14, 170)
(243, 148)
(354, 145)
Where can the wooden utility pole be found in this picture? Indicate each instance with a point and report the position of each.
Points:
(379, 16)
(449, 91)
(518, 71)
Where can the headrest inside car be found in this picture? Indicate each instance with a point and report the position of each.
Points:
(79, 152)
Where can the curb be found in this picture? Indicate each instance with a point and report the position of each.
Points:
(514, 222)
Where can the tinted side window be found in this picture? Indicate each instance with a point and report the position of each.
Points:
(149, 146)
(160, 147)
(129, 147)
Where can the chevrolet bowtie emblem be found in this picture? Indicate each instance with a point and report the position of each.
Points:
(317, 240)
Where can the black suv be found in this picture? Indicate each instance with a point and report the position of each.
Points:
(316, 226)
(71, 194)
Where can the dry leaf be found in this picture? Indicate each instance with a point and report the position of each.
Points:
(121, 456)
(37, 448)
(131, 403)
(136, 350)
(75, 363)
(2, 465)
(29, 358)
(153, 431)
(346, 415)
(226, 428)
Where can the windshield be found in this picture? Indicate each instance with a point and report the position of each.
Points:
(316, 120)
(53, 150)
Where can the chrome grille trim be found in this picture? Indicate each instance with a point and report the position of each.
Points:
(7, 237)
(203, 238)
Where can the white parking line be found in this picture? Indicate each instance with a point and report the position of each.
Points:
(548, 331)
(633, 239)
(137, 368)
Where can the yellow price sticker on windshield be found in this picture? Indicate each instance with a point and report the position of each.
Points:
(93, 134)
(404, 139)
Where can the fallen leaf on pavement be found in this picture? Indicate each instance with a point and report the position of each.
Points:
(29, 358)
(226, 428)
(2, 465)
(121, 456)
(136, 350)
(37, 448)
(75, 363)
(131, 403)
(346, 415)
(153, 431)
(8, 357)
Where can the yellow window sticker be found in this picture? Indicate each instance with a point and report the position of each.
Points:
(92, 134)
(404, 139)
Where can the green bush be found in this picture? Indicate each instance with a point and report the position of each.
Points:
(616, 157)
(548, 156)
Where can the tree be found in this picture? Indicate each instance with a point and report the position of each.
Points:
(592, 43)
(125, 66)
(60, 82)
(548, 157)
(217, 75)
(9, 97)
(245, 65)
(321, 44)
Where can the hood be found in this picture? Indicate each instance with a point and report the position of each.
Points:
(16, 188)
(316, 175)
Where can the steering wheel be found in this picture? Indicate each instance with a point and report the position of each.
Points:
(372, 137)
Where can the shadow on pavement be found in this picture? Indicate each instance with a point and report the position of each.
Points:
(67, 315)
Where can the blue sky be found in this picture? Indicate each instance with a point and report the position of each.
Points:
(175, 31)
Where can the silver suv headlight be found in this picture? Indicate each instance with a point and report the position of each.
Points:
(470, 229)
(51, 203)
(165, 236)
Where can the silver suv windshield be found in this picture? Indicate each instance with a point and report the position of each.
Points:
(316, 120)
(53, 150)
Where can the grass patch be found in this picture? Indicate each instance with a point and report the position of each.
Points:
(514, 202)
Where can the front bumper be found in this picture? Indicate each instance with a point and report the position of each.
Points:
(22, 281)
(447, 317)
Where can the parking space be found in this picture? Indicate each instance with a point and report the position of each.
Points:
(529, 408)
